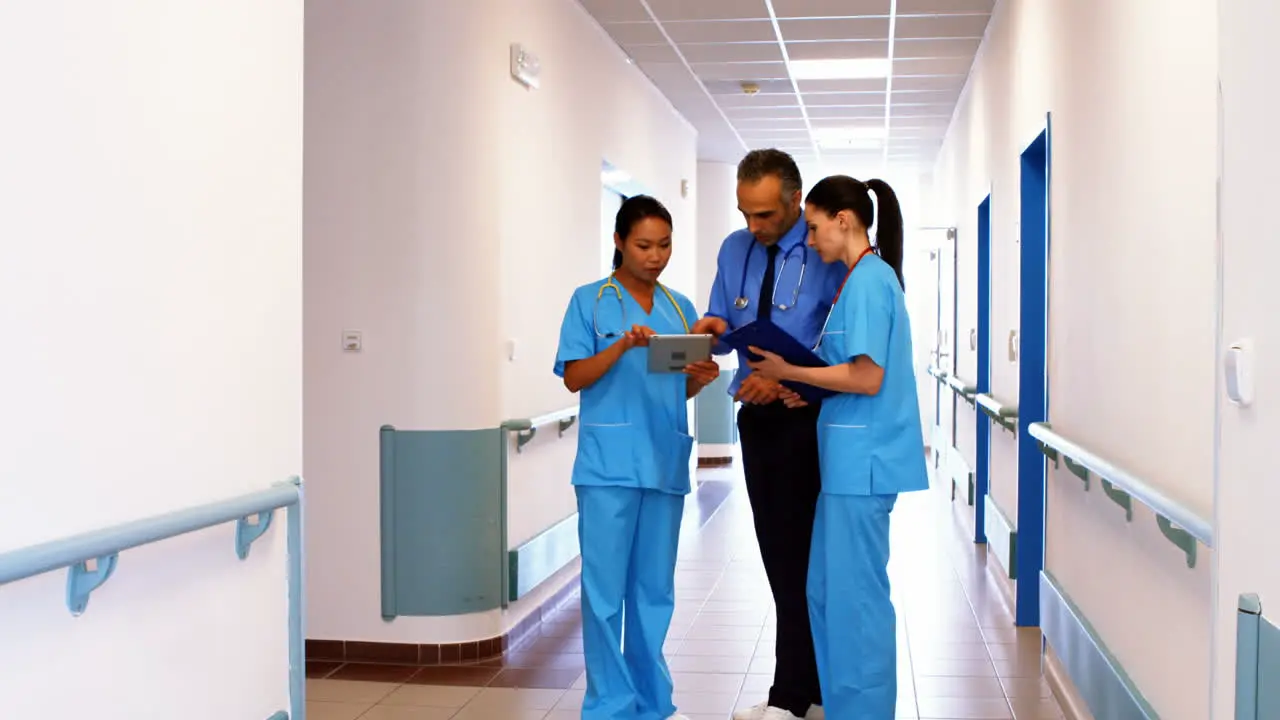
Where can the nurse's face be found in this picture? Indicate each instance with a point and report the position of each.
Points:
(646, 250)
(828, 235)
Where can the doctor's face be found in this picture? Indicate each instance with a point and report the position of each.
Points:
(768, 211)
(646, 250)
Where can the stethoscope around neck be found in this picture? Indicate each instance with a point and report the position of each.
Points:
(742, 302)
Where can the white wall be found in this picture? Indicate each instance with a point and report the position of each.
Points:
(1132, 286)
(446, 201)
(1247, 532)
(150, 283)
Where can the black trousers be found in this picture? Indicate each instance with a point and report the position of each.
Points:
(780, 460)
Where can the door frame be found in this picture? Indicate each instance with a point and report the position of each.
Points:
(982, 428)
(1035, 182)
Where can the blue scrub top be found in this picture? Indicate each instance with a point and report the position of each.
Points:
(872, 444)
(804, 320)
(634, 425)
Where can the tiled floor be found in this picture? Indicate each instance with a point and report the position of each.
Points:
(960, 657)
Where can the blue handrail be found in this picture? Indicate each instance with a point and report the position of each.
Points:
(100, 548)
(1161, 504)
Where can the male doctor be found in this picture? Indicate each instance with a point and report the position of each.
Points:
(766, 271)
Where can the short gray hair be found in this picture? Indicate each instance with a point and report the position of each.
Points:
(759, 164)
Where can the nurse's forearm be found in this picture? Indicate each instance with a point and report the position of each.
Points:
(584, 373)
(860, 377)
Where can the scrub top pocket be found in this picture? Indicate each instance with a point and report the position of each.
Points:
(606, 455)
(844, 455)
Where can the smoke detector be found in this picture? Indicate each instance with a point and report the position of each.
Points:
(750, 88)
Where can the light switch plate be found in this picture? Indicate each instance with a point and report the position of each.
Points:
(1013, 346)
(352, 341)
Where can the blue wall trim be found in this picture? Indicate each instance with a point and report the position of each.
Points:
(1033, 379)
(437, 487)
(982, 459)
(1096, 674)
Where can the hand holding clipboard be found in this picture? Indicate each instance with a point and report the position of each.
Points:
(767, 336)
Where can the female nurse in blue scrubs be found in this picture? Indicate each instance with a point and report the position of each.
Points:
(631, 474)
(870, 445)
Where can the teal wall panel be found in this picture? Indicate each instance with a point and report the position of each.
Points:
(544, 555)
(1257, 663)
(1096, 674)
(1002, 537)
(715, 413)
(443, 542)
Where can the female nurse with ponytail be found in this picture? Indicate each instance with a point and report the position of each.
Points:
(870, 444)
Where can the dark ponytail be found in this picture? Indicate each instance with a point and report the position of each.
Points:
(633, 210)
(889, 229)
(841, 192)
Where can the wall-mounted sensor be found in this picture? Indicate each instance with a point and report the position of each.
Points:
(1238, 367)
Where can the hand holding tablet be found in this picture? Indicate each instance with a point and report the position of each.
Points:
(672, 353)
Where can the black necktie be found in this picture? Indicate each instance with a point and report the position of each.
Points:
(766, 285)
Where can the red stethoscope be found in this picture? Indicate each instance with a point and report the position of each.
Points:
(823, 332)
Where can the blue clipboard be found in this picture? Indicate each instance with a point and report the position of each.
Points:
(765, 335)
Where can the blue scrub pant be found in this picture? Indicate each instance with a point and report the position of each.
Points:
(854, 625)
(629, 538)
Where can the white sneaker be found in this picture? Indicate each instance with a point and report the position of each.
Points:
(678, 716)
(763, 711)
(815, 713)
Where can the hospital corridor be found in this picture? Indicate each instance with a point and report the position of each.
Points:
(960, 654)
(639, 360)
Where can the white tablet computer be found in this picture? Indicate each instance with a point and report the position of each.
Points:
(671, 353)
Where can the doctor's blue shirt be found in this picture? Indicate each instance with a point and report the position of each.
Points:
(803, 318)
(872, 444)
(633, 430)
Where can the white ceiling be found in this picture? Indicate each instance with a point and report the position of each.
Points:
(699, 52)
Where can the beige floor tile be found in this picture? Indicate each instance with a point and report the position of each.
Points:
(432, 696)
(347, 691)
(318, 710)
(393, 712)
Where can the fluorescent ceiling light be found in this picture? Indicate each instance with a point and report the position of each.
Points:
(852, 69)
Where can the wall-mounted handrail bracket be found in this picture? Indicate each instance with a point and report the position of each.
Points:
(86, 576)
(527, 428)
(1179, 537)
(524, 437)
(1048, 452)
(567, 423)
(249, 529)
(1078, 470)
(1119, 497)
